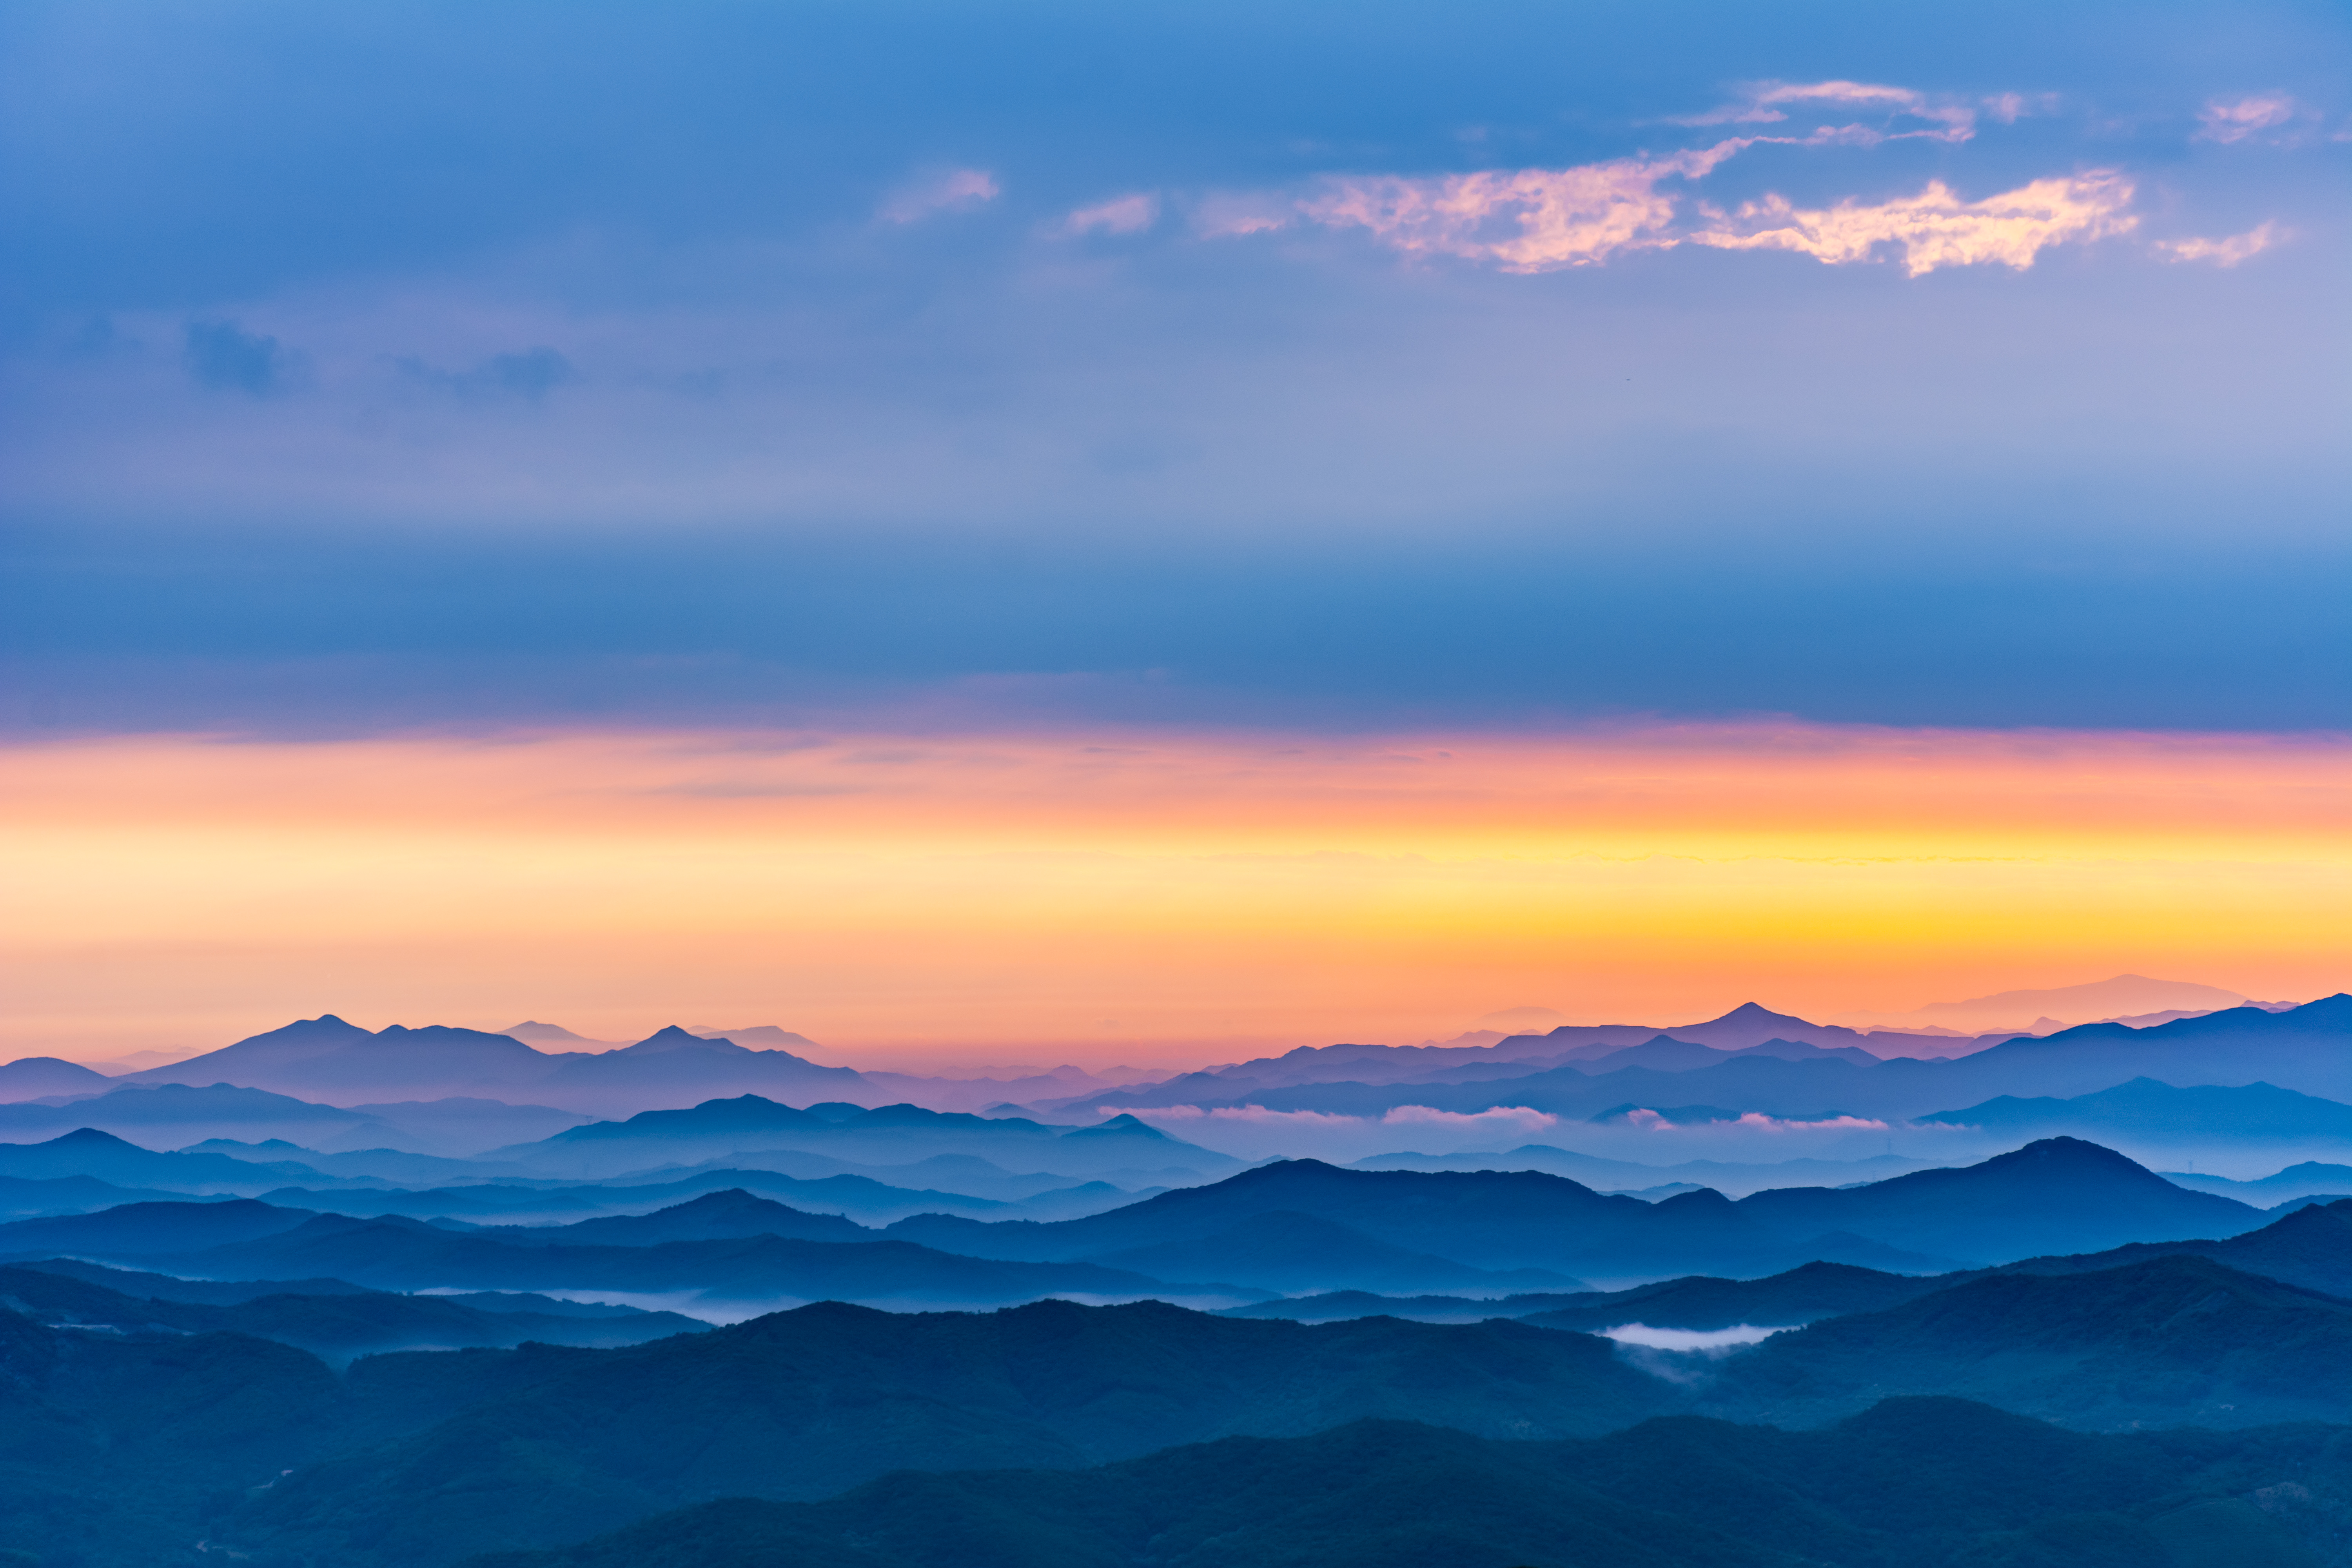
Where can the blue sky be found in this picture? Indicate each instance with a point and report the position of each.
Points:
(374, 367)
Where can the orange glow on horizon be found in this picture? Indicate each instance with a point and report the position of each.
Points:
(1154, 897)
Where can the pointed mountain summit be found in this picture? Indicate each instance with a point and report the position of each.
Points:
(670, 1037)
(1752, 1024)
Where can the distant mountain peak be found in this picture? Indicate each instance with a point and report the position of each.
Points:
(91, 1138)
(1757, 1013)
(670, 1037)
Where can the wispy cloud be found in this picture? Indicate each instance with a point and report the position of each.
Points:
(1129, 214)
(957, 190)
(2244, 118)
(2224, 252)
(1755, 1122)
(1945, 120)
(1936, 228)
(1523, 220)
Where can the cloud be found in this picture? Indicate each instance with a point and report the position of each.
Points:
(1524, 220)
(1950, 122)
(224, 356)
(957, 190)
(1702, 1341)
(1500, 1118)
(529, 374)
(2244, 118)
(1936, 228)
(1755, 1122)
(1130, 214)
(2225, 252)
(1227, 215)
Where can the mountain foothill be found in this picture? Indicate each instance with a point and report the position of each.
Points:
(431, 1297)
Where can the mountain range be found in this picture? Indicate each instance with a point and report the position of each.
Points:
(1921, 1483)
(2006, 1208)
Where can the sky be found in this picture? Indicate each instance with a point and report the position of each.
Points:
(1164, 531)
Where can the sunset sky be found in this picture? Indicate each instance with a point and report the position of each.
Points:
(1150, 534)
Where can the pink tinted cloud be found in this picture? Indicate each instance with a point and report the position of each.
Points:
(1130, 214)
(1762, 106)
(1523, 220)
(957, 189)
(2245, 118)
(2224, 252)
(1936, 228)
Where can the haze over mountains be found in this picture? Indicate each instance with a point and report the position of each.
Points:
(269, 1299)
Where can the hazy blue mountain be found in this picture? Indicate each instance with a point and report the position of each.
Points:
(1802, 1295)
(329, 1059)
(1281, 1251)
(2309, 1247)
(1746, 1028)
(173, 1113)
(2309, 1177)
(1338, 1306)
(678, 1066)
(1732, 1178)
(858, 1198)
(2159, 1112)
(815, 1400)
(2306, 1048)
(24, 1197)
(396, 1254)
(88, 1151)
(30, 1078)
(1492, 1220)
(332, 1059)
(2056, 1194)
(731, 1212)
(142, 1285)
(1920, 1483)
(738, 1129)
(2175, 1340)
(116, 1447)
(335, 1327)
(149, 1229)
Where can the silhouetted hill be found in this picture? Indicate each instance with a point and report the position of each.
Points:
(815, 1400)
(22, 1198)
(2159, 1112)
(2306, 1048)
(394, 1254)
(1486, 1220)
(30, 1078)
(2179, 1339)
(1288, 1251)
(334, 1327)
(151, 1229)
(182, 1112)
(2311, 1247)
(731, 1212)
(718, 1129)
(329, 1059)
(2058, 1195)
(1802, 1295)
(2305, 1178)
(88, 1151)
(1924, 1483)
(1928, 1221)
